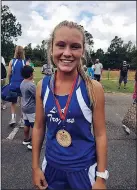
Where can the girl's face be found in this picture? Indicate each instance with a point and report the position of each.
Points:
(67, 48)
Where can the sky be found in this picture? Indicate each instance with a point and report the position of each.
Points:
(103, 19)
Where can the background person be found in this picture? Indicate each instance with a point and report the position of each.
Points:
(130, 118)
(72, 153)
(98, 69)
(90, 71)
(123, 74)
(31, 63)
(28, 103)
(15, 78)
(47, 69)
(85, 68)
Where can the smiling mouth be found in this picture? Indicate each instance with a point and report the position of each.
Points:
(66, 61)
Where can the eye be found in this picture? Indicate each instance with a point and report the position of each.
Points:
(60, 44)
(75, 46)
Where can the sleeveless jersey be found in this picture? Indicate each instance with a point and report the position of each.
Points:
(16, 78)
(82, 151)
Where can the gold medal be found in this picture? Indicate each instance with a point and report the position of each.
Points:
(63, 138)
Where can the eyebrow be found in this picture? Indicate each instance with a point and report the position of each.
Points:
(74, 43)
(59, 42)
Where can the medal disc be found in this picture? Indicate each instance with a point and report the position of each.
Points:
(63, 138)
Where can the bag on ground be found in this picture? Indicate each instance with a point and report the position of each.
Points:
(130, 118)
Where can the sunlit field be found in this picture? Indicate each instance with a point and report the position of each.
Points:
(109, 80)
(114, 75)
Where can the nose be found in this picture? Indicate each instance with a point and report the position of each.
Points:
(67, 52)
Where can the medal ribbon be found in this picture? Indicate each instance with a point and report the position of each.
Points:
(63, 116)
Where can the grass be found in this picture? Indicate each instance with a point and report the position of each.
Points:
(110, 85)
(114, 75)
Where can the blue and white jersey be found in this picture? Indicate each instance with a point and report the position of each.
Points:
(16, 78)
(82, 151)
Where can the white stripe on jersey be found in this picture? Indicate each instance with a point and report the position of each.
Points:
(84, 108)
(46, 97)
(13, 65)
(44, 164)
(23, 63)
(92, 173)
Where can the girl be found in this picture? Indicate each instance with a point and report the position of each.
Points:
(15, 78)
(70, 105)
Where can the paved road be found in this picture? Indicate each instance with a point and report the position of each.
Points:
(16, 158)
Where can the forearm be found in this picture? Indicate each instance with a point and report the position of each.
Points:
(37, 141)
(9, 76)
(9, 71)
(101, 150)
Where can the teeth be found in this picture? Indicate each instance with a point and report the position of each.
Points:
(65, 61)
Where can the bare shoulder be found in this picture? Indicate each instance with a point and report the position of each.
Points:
(10, 63)
(97, 86)
(99, 93)
(39, 86)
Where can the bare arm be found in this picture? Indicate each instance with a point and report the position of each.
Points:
(101, 71)
(39, 129)
(99, 128)
(9, 70)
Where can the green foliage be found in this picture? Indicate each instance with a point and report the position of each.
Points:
(89, 38)
(7, 51)
(116, 52)
(37, 63)
(38, 55)
(10, 30)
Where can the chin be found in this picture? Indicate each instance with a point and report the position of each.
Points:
(66, 69)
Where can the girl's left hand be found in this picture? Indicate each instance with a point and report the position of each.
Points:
(99, 184)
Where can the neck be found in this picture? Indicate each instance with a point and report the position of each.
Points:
(29, 79)
(63, 82)
(66, 77)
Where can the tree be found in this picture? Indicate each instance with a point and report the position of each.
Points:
(132, 56)
(7, 51)
(28, 51)
(116, 52)
(99, 54)
(10, 30)
(89, 38)
(89, 47)
(89, 61)
(44, 49)
(116, 43)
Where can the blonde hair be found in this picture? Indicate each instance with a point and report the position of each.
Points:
(19, 53)
(86, 78)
